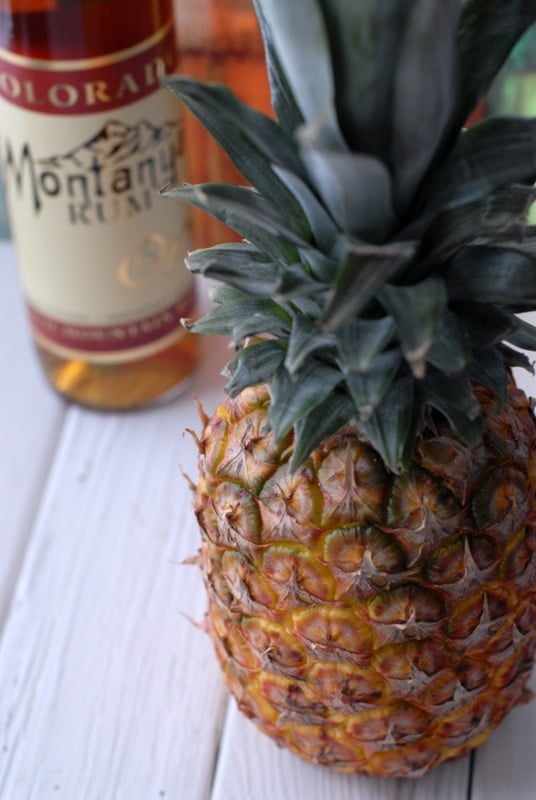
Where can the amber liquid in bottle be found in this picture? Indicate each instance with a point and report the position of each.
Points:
(114, 33)
(219, 40)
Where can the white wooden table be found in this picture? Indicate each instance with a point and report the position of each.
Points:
(107, 689)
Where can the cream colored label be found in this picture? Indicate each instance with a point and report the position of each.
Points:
(101, 253)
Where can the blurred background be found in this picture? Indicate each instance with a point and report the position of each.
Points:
(219, 41)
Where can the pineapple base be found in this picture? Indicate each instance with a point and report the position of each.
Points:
(371, 622)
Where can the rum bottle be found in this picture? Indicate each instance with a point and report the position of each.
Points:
(88, 137)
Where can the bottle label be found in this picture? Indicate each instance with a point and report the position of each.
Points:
(85, 146)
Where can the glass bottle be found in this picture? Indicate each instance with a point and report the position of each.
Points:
(88, 137)
(220, 41)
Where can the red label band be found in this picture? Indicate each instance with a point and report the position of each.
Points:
(119, 337)
(91, 86)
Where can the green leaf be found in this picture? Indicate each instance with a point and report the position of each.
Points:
(295, 281)
(252, 140)
(323, 421)
(305, 339)
(365, 39)
(237, 264)
(238, 315)
(515, 358)
(424, 93)
(524, 335)
(366, 270)
(495, 152)
(248, 213)
(457, 401)
(485, 274)
(468, 430)
(295, 396)
(283, 102)
(253, 365)
(324, 229)
(296, 284)
(361, 340)
(451, 350)
(324, 268)
(307, 69)
(524, 244)
(417, 311)
(485, 324)
(227, 294)
(356, 189)
(501, 213)
(529, 239)
(391, 428)
(488, 369)
(368, 389)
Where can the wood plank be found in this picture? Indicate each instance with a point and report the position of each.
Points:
(31, 419)
(109, 692)
(506, 766)
(252, 767)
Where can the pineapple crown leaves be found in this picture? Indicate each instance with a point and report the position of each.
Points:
(386, 252)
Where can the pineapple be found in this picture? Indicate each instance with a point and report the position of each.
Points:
(366, 491)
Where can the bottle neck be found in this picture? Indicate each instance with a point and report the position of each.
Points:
(72, 29)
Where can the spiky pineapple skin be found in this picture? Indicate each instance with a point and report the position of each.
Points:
(375, 623)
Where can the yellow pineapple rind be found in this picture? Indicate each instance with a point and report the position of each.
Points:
(373, 623)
